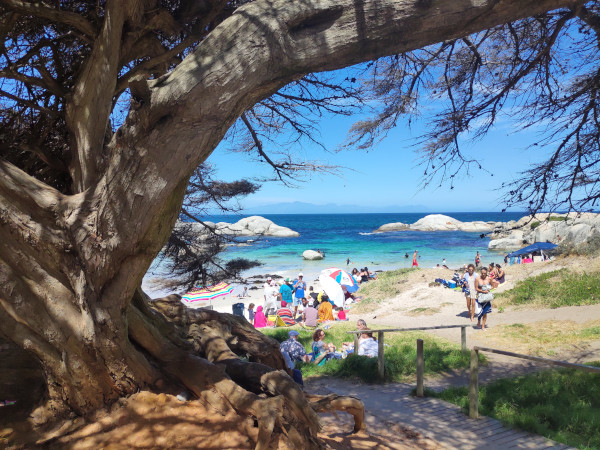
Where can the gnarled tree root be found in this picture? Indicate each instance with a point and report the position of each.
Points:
(212, 385)
(333, 402)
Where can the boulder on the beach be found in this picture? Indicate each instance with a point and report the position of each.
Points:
(505, 244)
(579, 233)
(395, 226)
(312, 255)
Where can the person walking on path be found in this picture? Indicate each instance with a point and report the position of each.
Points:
(299, 289)
(484, 297)
(414, 261)
(469, 289)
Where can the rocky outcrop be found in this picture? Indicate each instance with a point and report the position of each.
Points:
(396, 226)
(249, 226)
(543, 227)
(439, 222)
(311, 255)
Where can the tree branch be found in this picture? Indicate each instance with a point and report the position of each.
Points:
(37, 8)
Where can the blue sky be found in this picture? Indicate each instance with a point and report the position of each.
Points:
(389, 175)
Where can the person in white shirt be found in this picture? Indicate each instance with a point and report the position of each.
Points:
(271, 295)
(368, 346)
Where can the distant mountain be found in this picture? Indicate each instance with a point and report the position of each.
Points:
(331, 208)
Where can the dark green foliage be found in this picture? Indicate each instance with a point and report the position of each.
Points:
(563, 405)
(400, 355)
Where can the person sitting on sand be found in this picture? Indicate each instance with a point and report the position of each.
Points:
(484, 297)
(260, 321)
(341, 314)
(367, 345)
(325, 310)
(313, 294)
(294, 348)
(311, 315)
(364, 275)
(500, 274)
(492, 275)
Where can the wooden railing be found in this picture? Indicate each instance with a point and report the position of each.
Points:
(474, 378)
(420, 363)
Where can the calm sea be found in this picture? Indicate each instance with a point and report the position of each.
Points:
(343, 236)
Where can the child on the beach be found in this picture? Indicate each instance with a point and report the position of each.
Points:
(341, 314)
(251, 312)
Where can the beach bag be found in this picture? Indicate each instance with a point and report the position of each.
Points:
(487, 297)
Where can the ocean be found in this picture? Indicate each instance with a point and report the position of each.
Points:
(343, 236)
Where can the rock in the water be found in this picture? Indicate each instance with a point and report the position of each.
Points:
(312, 255)
(249, 226)
(396, 226)
(439, 222)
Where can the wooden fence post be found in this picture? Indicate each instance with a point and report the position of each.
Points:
(420, 367)
(380, 361)
(463, 338)
(355, 343)
(474, 385)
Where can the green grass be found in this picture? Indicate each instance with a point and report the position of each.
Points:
(386, 286)
(554, 290)
(563, 405)
(400, 355)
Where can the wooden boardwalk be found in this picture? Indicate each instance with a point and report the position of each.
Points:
(436, 419)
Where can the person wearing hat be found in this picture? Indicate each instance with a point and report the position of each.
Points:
(310, 314)
(266, 287)
(285, 292)
(294, 348)
(299, 289)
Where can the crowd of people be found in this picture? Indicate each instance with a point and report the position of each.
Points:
(293, 300)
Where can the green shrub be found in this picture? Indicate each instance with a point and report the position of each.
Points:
(556, 289)
(534, 225)
(439, 354)
(563, 405)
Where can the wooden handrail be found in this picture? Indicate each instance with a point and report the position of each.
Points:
(540, 360)
(380, 358)
(407, 329)
(474, 377)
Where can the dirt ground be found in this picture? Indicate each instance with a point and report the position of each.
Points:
(148, 420)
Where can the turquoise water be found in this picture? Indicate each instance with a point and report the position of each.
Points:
(343, 236)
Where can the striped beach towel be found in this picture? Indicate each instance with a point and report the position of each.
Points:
(285, 318)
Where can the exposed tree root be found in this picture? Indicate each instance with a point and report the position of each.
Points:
(333, 402)
(222, 339)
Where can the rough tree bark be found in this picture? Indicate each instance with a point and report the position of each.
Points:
(70, 264)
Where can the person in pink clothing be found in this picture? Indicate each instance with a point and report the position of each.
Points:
(260, 321)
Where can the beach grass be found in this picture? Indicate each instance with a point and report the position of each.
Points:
(386, 286)
(400, 355)
(546, 337)
(554, 290)
(563, 405)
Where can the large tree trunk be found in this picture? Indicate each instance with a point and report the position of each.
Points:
(70, 264)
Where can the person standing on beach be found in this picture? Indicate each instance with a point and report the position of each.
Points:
(285, 291)
(484, 297)
(414, 261)
(469, 290)
(299, 289)
(477, 259)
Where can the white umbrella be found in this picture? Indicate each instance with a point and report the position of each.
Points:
(332, 289)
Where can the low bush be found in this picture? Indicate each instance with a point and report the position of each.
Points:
(563, 405)
(400, 355)
(555, 289)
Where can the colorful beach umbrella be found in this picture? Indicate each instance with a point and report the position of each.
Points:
(332, 289)
(206, 293)
(342, 277)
